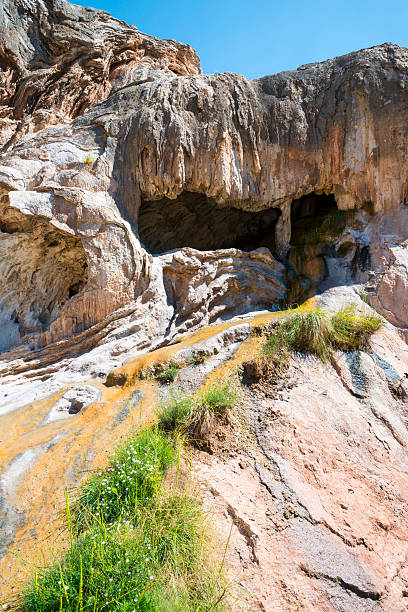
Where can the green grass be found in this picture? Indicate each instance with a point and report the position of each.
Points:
(186, 412)
(352, 328)
(133, 477)
(273, 345)
(218, 397)
(317, 332)
(134, 544)
(307, 332)
(175, 413)
(169, 373)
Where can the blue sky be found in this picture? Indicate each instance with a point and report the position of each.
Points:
(258, 37)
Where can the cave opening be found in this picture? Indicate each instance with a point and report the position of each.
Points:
(308, 217)
(196, 221)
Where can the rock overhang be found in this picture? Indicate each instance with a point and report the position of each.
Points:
(243, 145)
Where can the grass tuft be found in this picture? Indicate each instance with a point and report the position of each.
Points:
(174, 414)
(352, 328)
(307, 332)
(169, 374)
(188, 412)
(198, 358)
(219, 397)
(317, 332)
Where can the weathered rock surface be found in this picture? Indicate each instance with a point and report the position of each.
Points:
(139, 200)
(58, 60)
(310, 470)
(316, 490)
(73, 401)
(138, 123)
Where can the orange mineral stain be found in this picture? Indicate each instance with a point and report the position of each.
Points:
(41, 461)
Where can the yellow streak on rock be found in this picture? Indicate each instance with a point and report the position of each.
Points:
(67, 450)
(134, 366)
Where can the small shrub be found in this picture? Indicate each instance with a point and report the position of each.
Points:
(169, 373)
(273, 345)
(88, 160)
(211, 406)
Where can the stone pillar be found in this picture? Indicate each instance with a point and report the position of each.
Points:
(283, 231)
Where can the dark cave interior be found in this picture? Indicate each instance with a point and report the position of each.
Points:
(308, 214)
(193, 220)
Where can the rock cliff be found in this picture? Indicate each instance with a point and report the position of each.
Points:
(141, 199)
(129, 129)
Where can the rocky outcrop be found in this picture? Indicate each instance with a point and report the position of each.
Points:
(58, 60)
(141, 132)
(317, 493)
(324, 127)
(305, 479)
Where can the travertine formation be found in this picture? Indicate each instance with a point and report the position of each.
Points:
(100, 122)
(140, 199)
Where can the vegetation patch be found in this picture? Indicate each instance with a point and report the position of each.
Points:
(333, 224)
(352, 329)
(169, 373)
(133, 477)
(317, 332)
(306, 332)
(193, 414)
(174, 414)
(310, 331)
(134, 544)
(165, 372)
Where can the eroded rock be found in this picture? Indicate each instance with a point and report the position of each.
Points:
(231, 160)
(73, 401)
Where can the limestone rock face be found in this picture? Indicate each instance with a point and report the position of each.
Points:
(140, 200)
(324, 127)
(116, 150)
(58, 60)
